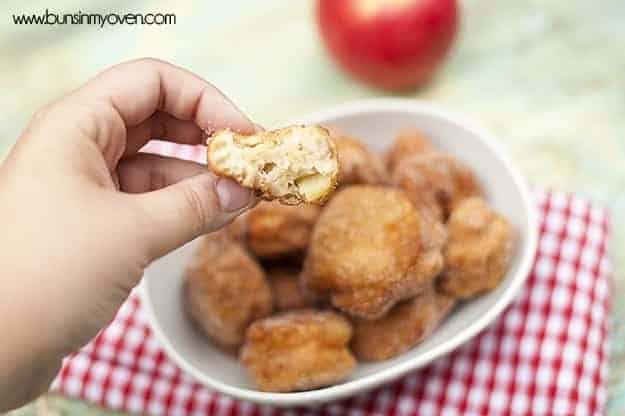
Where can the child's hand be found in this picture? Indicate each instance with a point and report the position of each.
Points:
(83, 213)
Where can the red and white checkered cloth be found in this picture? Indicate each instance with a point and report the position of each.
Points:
(546, 355)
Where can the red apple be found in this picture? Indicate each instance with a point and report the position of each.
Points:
(393, 44)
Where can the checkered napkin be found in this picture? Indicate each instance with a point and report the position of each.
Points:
(545, 355)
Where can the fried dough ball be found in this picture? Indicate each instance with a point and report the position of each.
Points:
(276, 230)
(286, 289)
(294, 164)
(298, 350)
(368, 251)
(478, 249)
(404, 326)
(357, 163)
(435, 181)
(225, 290)
(408, 143)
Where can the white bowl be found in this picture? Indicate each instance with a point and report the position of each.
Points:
(376, 122)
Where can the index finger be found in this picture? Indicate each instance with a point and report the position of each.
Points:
(137, 89)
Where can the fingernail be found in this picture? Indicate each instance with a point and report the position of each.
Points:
(232, 196)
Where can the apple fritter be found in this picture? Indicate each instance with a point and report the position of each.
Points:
(357, 163)
(294, 164)
(225, 290)
(408, 143)
(478, 249)
(286, 289)
(404, 326)
(370, 249)
(298, 350)
(435, 181)
(275, 230)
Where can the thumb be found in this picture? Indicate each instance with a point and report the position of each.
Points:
(196, 205)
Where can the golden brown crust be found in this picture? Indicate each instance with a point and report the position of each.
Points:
(408, 143)
(407, 324)
(368, 252)
(298, 350)
(275, 230)
(294, 164)
(358, 164)
(435, 181)
(225, 290)
(478, 249)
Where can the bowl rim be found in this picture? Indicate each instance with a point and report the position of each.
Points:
(393, 372)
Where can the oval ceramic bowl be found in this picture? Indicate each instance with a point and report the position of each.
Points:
(376, 122)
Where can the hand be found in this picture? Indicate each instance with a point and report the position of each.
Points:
(84, 212)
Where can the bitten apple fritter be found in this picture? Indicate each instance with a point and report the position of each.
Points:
(368, 251)
(404, 326)
(478, 249)
(276, 230)
(225, 290)
(293, 164)
(408, 143)
(298, 350)
(357, 163)
(435, 181)
(286, 289)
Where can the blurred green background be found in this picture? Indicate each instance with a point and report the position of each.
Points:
(546, 76)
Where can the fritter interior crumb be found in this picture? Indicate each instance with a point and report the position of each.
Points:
(294, 164)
